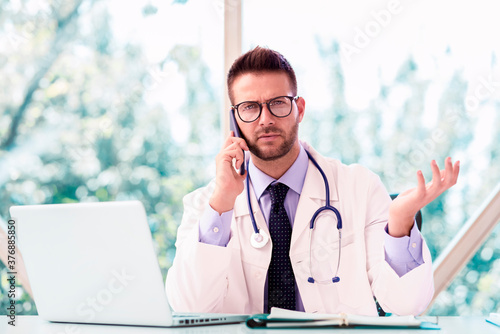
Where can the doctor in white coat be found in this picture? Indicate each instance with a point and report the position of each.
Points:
(382, 253)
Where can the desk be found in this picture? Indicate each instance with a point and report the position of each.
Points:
(33, 324)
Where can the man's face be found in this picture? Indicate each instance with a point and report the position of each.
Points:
(269, 137)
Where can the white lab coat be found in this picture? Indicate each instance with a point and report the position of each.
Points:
(208, 278)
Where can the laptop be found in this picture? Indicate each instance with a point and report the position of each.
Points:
(95, 263)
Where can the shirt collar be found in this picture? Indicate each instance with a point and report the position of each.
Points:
(293, 178)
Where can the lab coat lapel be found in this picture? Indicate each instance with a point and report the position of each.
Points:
(312, 198)
(241, 209)
(313, 195)
(262, 256)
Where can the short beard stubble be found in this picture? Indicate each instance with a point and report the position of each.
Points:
(281, 151)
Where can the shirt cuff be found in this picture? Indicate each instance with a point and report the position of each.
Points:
(215, 229)
(405, 253)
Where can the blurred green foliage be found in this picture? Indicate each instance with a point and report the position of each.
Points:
(84, 129)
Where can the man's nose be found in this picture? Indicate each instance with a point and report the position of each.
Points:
(266, 117)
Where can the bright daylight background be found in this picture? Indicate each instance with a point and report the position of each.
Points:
(109, 100)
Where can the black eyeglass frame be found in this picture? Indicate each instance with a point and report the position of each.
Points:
(292, 98)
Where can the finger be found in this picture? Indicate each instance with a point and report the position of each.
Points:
(229, 140)
(240, 159)
(235, 145)
(240, 141)
(448, 172)
(420, 182)
(452, 172)
(235, 155)
(232, 139)
(234, 152)
(456, 170)
(243, 144)
(436, 174)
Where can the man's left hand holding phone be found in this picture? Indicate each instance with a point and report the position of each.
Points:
(229, 183)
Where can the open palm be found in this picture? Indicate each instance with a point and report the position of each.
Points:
(406, 205)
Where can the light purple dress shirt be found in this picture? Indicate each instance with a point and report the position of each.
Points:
(402, 254)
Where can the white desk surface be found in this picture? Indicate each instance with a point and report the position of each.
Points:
(33, 324)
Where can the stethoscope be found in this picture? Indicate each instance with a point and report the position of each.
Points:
(260, 238)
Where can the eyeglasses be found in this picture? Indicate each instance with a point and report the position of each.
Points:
(249, 111)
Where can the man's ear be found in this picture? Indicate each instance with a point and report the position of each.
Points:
(301, 106)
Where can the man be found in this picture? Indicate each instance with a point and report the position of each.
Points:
(382, 254)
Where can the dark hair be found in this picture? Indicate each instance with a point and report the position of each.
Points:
(260, 60)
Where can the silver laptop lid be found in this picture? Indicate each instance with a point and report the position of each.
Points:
(92, 263)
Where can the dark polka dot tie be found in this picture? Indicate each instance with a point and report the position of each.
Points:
(281, 280)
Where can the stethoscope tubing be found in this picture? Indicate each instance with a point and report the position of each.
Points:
(259, 239)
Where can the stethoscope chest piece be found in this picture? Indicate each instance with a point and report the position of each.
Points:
(259, 240)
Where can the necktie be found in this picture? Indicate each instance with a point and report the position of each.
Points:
(281, 280)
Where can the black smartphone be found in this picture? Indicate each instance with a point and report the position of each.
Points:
(234, 127)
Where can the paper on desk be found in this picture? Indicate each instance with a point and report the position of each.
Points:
(494, 319)
(343, 319)
(289, 314)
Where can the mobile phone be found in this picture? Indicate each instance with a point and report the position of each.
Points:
(234, 127)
